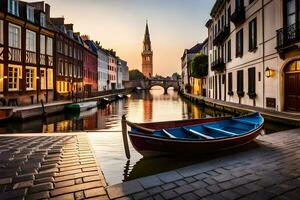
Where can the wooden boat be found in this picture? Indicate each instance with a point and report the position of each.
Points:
(6, 113)
(82, 106)
(194, 136)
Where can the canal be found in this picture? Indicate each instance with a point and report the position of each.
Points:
(104, 130)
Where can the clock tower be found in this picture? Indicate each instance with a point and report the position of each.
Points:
(147, 55)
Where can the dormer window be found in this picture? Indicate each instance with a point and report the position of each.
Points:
(13, 7)
(43, 20)
(30, 13)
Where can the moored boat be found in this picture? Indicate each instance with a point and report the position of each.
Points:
(82, 106)
(194, 136)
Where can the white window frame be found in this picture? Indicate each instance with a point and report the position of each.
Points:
(43, 20)
(13, 7)
(30, 13)
(31, 79)
(42, 44)
(50, 79)
(30, 40)
(49, 46)
(1, 31)
(1, 77)
(15, 79)
(43, 79)
(14, 40)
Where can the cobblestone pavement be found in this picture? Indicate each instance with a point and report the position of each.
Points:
(49, 167)
(271, 171)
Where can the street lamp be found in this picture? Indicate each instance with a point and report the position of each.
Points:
(269, 72)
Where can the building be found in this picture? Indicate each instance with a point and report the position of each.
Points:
(121, 67)
(90, 67)
(147, 55)
(102, 69)
(69, 61)
(112, 70)
(254, 56)
(27, 59)
(125, 72)
(191, 85)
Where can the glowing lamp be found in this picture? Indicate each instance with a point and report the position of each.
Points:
(269, 72)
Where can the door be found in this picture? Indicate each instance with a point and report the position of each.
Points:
(292, 90)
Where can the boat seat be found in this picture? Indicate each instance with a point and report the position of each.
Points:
(244, 122)
(197, 133)
(220, 131)
(168, 134)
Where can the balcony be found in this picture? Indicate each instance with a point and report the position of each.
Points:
(288, 37)
(50, 61)
(1, 51)
(218, 65)
(238, 17)
(42, 59)
(221, 36)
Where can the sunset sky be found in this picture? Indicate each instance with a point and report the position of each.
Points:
(120, 24)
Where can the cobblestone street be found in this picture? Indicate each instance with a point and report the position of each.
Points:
(43, 167)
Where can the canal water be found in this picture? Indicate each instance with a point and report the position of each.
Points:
(103, 127)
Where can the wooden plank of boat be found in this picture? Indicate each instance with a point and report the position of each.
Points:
(198, 134)
(244, 122)
(220, 130)
(168, 134)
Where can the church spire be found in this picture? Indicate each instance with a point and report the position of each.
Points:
(147, 54)
(147, 41)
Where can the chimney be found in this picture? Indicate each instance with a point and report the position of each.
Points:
(69, 27)
(47, 11)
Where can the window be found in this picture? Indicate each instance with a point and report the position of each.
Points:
(239, 4)
(252, 35)
(50, 78)
(240, 83)
(14, 75)
(43, 79)
(30, 78)
(30, 41)
(1, 77)
(251, 82)
(291, 12)
(42, 44)
(239, 43)
(228, 16)
(1, 31)
(30, 13)
(13, 7)
(49, 46)
(43, 20)
(230, 92)
(229, 51)
(14, 36)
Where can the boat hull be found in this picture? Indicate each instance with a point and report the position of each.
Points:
(6, 114)
(150, 146)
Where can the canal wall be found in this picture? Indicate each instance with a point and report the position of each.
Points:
(37, 110)
(291, 119)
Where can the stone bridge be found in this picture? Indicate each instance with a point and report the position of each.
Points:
(149, 83)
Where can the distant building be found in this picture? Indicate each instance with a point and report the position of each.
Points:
(190, 84)
(26, 53)
(102, 69)
(69, 60)
(125, 72)
(122, 65)
(147, 55)
(112, 70)
(90, 67)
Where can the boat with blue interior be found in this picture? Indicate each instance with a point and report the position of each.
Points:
(194, 136)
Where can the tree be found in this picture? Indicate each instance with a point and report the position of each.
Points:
(176, 76)
(135, 74)
(199, 66)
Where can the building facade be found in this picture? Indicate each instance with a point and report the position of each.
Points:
(147, 55)
(254, 53)
(112, 70)
(27, 58)
(69, 61)
(102, 69)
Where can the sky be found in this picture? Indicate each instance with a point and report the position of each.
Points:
(174, 25)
